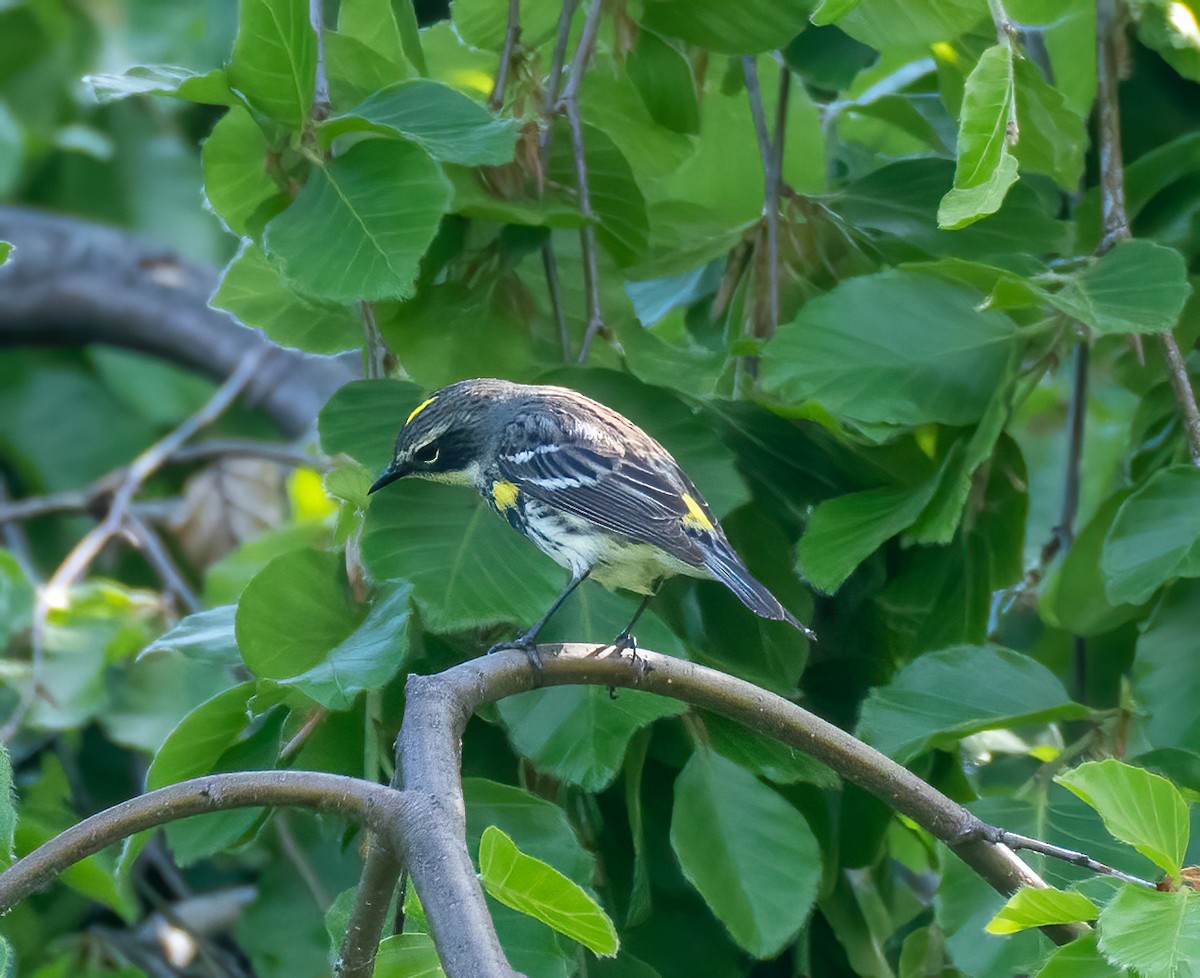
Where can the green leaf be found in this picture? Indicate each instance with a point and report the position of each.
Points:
(749, 853)
(358, 228)
(540, 827)
(1164, 670)
(6, 249)
(16, 599)
(8, 959)
(253, 291)
(408, 956)
(1155, 934)
(539, 890)
(1138, 287)
(842, 532)
(293, 611)
(986, 167)
(274, 60)
(743, 28)
(829, 11)
(663, 77)
(236, 184)
(483, 23)
(1080, 959)
(447, 124)
(368, 658)
(1032, 907)
(363, 418)
(941, 697)
(1170, 28)
(836, 353)
(765, 755)
(210, 89)
(1140, 808)
(1052, 137)
(468, 568)
(889, 24)
(1155, 536)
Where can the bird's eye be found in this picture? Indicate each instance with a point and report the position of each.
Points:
(427, 454)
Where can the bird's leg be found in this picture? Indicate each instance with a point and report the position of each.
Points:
(625, 641)
(525, 642)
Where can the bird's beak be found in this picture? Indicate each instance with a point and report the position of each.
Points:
(394, 471)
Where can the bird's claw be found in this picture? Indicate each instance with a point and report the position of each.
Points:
(525, 644)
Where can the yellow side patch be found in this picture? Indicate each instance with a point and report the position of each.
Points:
(418, 409)
(695, 516)
(505, 494)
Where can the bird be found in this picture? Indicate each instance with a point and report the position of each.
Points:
(583, 483)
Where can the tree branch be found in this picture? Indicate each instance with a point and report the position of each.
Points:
(429, 755)
(72, 282)
(496, 99)
(376, 806)
(1015, 841)
(1109, 34)
(152, 548)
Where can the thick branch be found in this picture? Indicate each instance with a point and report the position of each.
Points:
(71, 282)
(429, 755)
(379, 807)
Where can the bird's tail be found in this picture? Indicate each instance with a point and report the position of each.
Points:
(727, 568)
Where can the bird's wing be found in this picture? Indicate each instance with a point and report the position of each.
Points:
(620, 480)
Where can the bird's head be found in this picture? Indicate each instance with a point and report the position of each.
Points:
(444, 437)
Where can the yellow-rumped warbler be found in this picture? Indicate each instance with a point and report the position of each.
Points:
(585, 484)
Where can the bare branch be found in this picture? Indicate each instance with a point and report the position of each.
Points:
(380, 874)
(281, 452)
(550, 266)
(374, 349)
(379, 807)
(1015, 841)
(159, 559)
(14, 539)
(554, 79)
(511, 35)
(1109, 37)
(429, 753)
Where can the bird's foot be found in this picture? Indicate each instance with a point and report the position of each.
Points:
(524, 643)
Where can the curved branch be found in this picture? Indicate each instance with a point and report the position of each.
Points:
(429, 756)
(379, 807)
(70, 282)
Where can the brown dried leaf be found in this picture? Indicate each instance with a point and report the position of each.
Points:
(226, 504)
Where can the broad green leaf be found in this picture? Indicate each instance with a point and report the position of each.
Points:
(16, 599)
(935, 358)
(616, 198)
(468, 567)
(211, 88)
(829, 11)
(987, 125)
(941, 697)
(374, 24)
(483, 23)
(363, 418)
(8, 807)
(367, 658)
(1080, 959)
(1171, 29)
(1140, 808)
(408, 956)
(1155, 536)
(1031, 907)
(236, 184)
(1165, 673)
(357, 69)
(538, 826)
(888, 24)
(1138, 287)
(765, 755)
(447, 124)
(663, 77)
(274, 61)
(744, 28)
(749, 853)
(1051, 136)
(253, 291)
(579, 733)
(842, 532)
(535, 888)
(293, 611)
(358, 228)
(1155, 934)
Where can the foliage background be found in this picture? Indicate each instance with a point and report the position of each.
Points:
(890, 460)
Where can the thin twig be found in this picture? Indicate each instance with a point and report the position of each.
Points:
(14, 538)
(510, 40)
(550, 266)
(311, 722)
(80, 557)
(300, 862)
(1016, 841)
(374, 349)
(320, 104)
(569, 104)
(554, 81)
(1110, 25)
(154, 550)
(285, 454)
